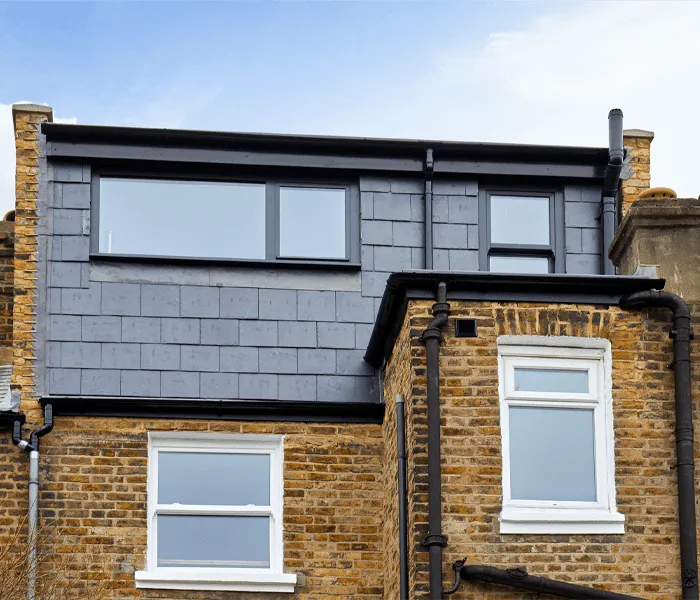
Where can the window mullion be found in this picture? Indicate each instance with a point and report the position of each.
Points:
(272, 194)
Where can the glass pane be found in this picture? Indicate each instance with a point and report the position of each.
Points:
(551, 380)
(552, 454)
(519, 220)
(518, 264)
(182, 218)
(205, 541)
(213, 478)
(312, 223)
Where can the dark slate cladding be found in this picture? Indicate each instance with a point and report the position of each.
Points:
(138, 327)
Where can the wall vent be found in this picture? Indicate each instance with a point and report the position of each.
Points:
(465, 327)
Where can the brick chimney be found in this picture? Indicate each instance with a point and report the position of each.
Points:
(637, 142)
(31, 169)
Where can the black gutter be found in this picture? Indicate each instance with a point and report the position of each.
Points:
(9, 418)
(435, 541)
(611, 185)
(228, 410)
(429, 164)
(403, 506)
(519, 579)
(681, 333)
(495, 287)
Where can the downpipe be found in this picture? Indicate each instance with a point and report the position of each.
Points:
(616, 158)
(435, 541)
(32, 448)
(681, 334)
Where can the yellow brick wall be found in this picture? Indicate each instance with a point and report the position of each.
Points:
(94, 473)
(639, 149)
(644, 560)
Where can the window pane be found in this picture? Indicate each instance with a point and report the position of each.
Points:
(182, 218)
(519, 220)
(213, 478)
(551, 380)
(518, 264)
(207, 541)
(312, 223)
(552, 454)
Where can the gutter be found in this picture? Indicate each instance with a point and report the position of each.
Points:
(435, 541)
(610, 186)
(681, 334)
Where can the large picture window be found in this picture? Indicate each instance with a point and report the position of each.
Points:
(226, 220)
(215, 513)
(522, 231)
(556, 426)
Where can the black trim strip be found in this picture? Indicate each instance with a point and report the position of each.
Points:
(494, 287)
(7, 418)
(226, 410)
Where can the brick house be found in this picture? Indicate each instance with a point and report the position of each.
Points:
(266, 366)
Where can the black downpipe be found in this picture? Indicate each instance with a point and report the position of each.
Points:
(681, 334)
(519, 579)
(435, 541)
(428, 172)
(611, 185)
(403, 517)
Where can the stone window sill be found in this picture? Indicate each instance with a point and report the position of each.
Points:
(215, 580)
(561, 521)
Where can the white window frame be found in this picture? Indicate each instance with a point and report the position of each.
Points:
(271, 579)
(562, 352)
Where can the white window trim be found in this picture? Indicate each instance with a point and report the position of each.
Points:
(540, 517)
(272, 579)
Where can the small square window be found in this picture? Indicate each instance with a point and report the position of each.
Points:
(215, 513)
(557, 436)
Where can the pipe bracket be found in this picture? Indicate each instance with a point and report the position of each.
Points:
(434, 539)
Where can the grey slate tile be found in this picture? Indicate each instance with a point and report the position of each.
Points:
(74, 247)
(65, 328)
(101, 329)
(573, 240)
(352, 307)
(297, 387)
(441, 259)
(373, 283)
(297, 334)
(99, 382)
(177, 384)
(392, 258)
(418, 208)
(367, 258)
(121, 299)
(141, 329)
(408, 234)
(473, 237)
(180, 331)
(278, 360)
(407, 186)
(239, 303)
(67, 222)
(199, 301)
(366, 205)
(582, 264)
(219, 385)
(362, 334)
(351, 362)
(84, 355)
(199, 358)
(75, 195)
(393, 206)
(336, 335)
(377, 233)
(238, 359)
(220, 332)
(336, 388)
(374, 184)
(464, 260)
(441, 211)
(450, 235)
(160, 357)
(316, 306)
(66, 274)
(160, 300)
(280, 305)
(82, 301)
(257, 387)
(590, 241)
(316, 361)
(258, 333)
(64, 381)
(121, 356)
(581, 214)
(140, 383)
(464, 210)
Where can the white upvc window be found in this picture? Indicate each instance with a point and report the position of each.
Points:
(557, 435)
(215, 513)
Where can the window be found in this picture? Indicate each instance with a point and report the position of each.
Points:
(238, 220)
(523, 231)
(215, 513)
(557, 436)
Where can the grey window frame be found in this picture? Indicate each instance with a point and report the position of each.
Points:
(554, 251)
(272, 216)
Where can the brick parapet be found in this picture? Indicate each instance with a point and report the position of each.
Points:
(638, 145)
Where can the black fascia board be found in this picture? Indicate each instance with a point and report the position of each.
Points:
(223, 410)
(7, 418)
(492, 287)
(103, 143)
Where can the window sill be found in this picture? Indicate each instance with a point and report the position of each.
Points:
(561, 521)
(205, 579)
(321, 265)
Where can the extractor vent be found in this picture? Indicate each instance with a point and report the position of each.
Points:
(465, 327)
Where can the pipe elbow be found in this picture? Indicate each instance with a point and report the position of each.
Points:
(656, 299)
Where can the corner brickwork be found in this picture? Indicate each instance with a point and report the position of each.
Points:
(7, 277)
(637, 142)
(644, 560)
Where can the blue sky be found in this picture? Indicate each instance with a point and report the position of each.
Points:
(535, 72)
